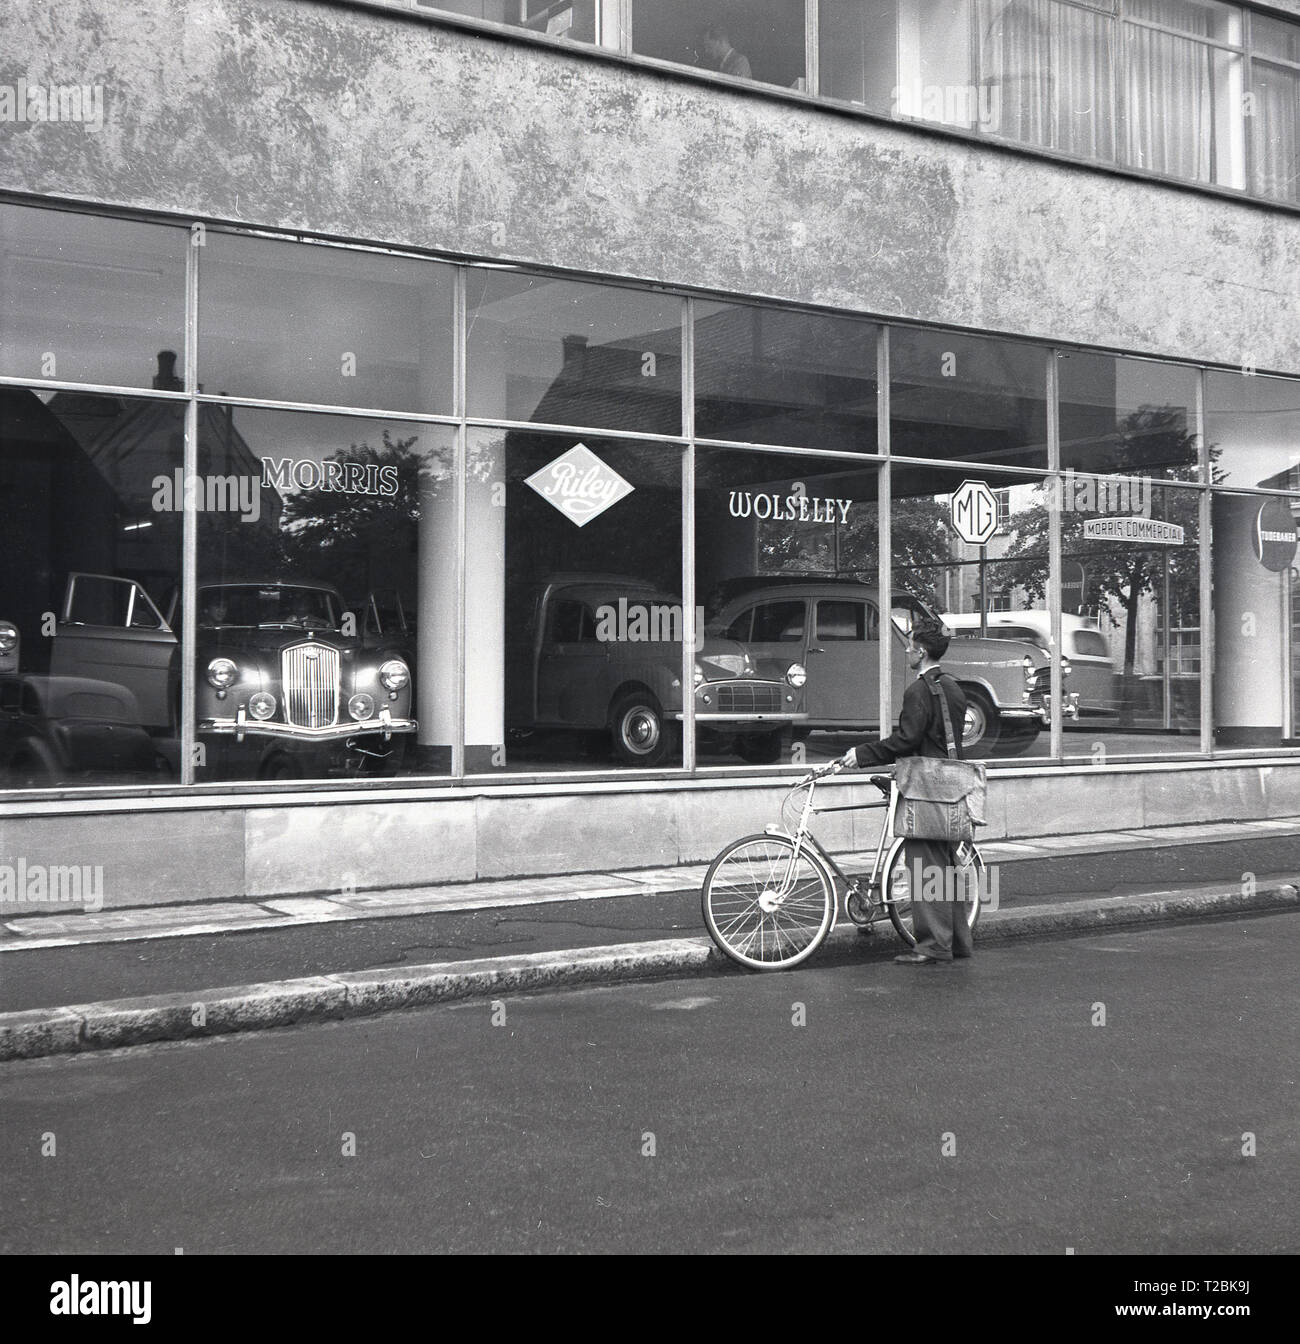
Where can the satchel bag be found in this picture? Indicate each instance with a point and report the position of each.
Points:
(940, 799)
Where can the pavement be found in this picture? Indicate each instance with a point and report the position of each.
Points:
(88, 981)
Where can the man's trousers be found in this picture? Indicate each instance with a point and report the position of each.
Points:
(940, 899)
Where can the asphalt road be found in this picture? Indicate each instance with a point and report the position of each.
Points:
(696, 1115)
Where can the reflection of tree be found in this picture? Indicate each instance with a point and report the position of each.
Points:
(852, 550)
(342, 538)
(1124, 574)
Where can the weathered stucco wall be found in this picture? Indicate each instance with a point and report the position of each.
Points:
(340, 120)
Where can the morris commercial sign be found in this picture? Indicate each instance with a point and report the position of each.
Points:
(1150, 531)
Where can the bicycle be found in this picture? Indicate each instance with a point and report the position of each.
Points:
(770, 900)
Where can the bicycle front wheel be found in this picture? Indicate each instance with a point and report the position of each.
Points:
(897, 893)
(767, 906)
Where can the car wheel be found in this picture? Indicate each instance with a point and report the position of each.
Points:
(637, 728)
(981, 727)
(759, 748)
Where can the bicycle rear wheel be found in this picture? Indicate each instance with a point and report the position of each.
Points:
(896, 889)
(765, 906)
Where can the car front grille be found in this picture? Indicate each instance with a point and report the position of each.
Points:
(748, 697)
(310, 680)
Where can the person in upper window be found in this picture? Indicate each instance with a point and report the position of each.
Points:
(720, 55)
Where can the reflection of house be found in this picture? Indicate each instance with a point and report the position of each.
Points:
(130, 444)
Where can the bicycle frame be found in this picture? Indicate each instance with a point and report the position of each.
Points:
(804, 840)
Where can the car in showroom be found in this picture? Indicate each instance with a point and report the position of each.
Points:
(602, 654)
(73, 731)
(1092, 672)
(833, 628)
(279, 685)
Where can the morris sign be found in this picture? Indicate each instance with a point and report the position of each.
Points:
(1149, 531)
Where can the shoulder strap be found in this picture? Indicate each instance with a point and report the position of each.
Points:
(947, 717)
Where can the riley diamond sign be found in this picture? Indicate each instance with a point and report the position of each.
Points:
(579, 484)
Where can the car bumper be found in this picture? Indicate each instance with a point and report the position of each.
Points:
(241, 726)
(1041, 708)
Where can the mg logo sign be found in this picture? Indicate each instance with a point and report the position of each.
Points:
(974, 512)
(579, 484)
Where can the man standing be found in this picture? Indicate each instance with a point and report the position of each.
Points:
(723, 57)
(941, 926)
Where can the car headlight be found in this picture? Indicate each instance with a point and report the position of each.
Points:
(796, 674)
(8, 637)
(394, 674)
(261, 704)
(222, 673)
(361, 706)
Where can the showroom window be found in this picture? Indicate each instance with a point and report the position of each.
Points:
(89, 635)
(324, 325)
(327, 623)
(1252, 430)
(1131, 578)
(935, 571)
(1128, 417)
(81, 302)
(568, 537)
(1254, 577)
(968, 397)
(564, 352)
(786, 563)
(768, 375)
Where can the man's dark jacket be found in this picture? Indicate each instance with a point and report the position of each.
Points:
(920, 724)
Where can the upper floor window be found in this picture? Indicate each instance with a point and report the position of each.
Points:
(1196, 90)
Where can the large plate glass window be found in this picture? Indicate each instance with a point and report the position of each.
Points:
(89, 567)
(761, 40)
(1128, 417)
(1252, 429)
(91, 300)
(564, 352)
(1131, 623)
(969, 397)
(573, 603)
(1256, 581)
(283, 321)
(968, 543)
(327, 630)
(787, 550)
(769, 375)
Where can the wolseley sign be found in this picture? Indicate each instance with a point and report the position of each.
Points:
(1149, 530)
(579, 484)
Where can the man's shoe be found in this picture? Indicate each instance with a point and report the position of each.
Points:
(916, 959)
